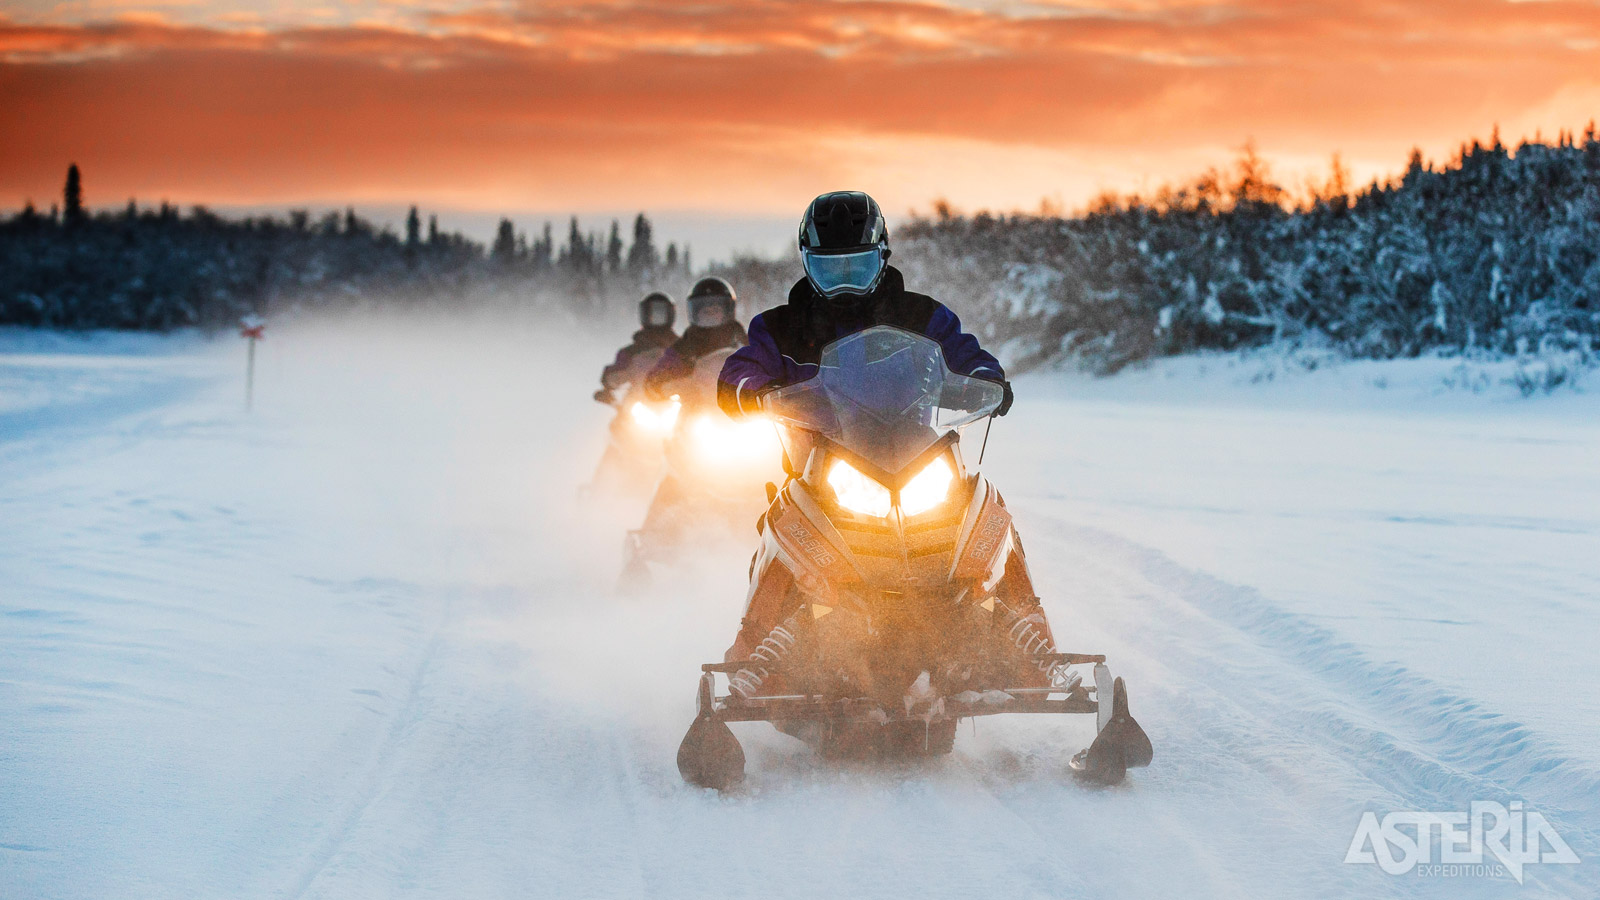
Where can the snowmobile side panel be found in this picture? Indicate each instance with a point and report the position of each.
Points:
(984, 545)
(765, 604)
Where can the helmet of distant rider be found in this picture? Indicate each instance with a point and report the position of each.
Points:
(656, 311)
(844, 244)
(711, 303)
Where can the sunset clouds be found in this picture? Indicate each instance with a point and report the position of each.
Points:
(755, 105)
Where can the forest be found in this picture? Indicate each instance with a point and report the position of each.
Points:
(160, 268)
(1495, 252)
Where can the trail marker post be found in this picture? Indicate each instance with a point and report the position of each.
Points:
(251, 328)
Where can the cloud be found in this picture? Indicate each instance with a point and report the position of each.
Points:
(752, 102)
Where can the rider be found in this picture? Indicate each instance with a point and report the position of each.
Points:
(712, 326)
(656, 314)
(849, 286)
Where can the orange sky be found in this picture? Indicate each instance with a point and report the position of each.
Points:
(755, 105)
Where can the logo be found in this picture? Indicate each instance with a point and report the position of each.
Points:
(983, 543)
(811, 544)
(1489, 840)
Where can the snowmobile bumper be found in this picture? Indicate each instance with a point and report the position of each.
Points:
(710, 755)
(815, 708)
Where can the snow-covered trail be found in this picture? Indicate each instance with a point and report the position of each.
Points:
(361, 643)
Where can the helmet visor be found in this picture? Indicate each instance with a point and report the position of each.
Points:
(709, 312)
(657, 314)
(839, 273)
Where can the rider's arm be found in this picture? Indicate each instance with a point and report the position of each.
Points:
(961, 351)
(669, 368)
(616, 375)
(963, 355)
(751, 371)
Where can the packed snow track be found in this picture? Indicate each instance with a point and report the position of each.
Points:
(362, 642)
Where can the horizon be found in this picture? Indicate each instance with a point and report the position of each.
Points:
(715, 237)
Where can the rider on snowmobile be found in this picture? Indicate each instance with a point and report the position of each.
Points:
(656, 314)
(712, 326)
(849, 287)
(687, 498)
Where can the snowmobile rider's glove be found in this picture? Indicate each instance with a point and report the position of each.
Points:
(738, 400)
(755, 401)
(1005, 404)
(604, 396)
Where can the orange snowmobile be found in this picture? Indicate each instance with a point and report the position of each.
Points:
(890, 597)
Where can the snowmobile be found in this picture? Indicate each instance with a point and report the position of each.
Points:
(631, 464)
(715, 470)
(896, 581)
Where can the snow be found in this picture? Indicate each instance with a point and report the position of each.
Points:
(361, 642)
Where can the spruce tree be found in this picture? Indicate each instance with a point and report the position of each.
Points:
(577, 249)
(642, 255)
(545, 249)
(614, 249)
(72, 196)
(505, 243)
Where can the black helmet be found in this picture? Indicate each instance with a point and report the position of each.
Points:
(711, 296)
(844, 244)
(656, 310)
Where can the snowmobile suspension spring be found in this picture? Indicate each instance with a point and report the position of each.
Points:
(1031, 640)
(773, 648)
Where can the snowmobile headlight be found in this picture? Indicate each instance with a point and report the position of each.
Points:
(928, 489)
(856, 492)
(723, 441)
(659, 420)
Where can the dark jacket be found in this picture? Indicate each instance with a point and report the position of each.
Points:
(621, 371)
(786, 342)
(678, 362)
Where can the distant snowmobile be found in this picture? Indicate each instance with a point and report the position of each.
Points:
(890, 587)
(637, 436)
(631, 464)
(715, 471)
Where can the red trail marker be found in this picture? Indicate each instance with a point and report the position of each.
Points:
(251, 329)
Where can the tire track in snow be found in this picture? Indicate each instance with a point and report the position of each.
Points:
(1273, 680)
(372, 784)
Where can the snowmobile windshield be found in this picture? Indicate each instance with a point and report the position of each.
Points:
(886, 395)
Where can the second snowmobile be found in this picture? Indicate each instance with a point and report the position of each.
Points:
(715, 469)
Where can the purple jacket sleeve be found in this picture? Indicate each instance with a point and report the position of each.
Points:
(961, 351)
(748, 370)
(616, 375)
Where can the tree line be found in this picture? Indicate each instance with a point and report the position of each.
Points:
(159, 267)
(1495, 252)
